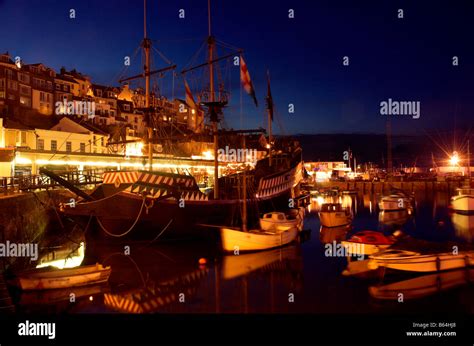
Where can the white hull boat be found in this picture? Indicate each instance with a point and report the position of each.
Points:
(279, 221)
(463, 203)
(334, 215)
(47, 278)
(416, 262)
(254, 240)
(395, 201)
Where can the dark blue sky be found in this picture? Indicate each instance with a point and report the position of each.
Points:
(404, 59)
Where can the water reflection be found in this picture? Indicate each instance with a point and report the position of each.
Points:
(331, 234)
(464, 226)
(194, 277)
(244, 264)
(394, 218)
(422, 286)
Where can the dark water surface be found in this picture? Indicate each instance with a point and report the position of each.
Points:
(194, 277)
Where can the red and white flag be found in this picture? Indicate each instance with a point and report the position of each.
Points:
(189, 97)
(246, 81)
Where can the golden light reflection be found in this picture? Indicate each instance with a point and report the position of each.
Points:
(69, 259)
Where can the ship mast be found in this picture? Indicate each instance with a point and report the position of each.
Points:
(270, 119)
(244, 187)
(214, 119)
(146, 44)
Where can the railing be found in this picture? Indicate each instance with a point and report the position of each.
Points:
(35, 182)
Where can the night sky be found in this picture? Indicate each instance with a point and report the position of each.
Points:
(407, 59)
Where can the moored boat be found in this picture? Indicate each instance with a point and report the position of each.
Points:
(334, 215)
(397, 200)
(417, 262)
(282, 221)
(233, 239)
(463, 202)
(48, 278)
(369, 242)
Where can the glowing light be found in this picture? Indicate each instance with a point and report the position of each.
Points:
(454, 159)
(134, 150)
(68, 262)
(268, 146)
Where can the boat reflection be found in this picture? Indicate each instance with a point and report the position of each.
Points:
(464, 226)
(395, 218)
(423, 286)
(240, 265)
(61, 300)
(156, 296)
(331, 234)
(360, 268)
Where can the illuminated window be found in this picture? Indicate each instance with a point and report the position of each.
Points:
(40, 144)
(68, 147)
(54, 145)
(82, 148)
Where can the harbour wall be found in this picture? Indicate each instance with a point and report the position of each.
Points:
(386, 186)
(25, 217)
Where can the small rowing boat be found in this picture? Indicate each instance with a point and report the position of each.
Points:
(256, 239)
(417, 262)
(369, 242)
(50, 278)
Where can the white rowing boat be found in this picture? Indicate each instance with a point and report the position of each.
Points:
(235, 239)
(49, 278)
(416, 262)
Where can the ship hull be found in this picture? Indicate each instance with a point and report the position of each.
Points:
(126, 216)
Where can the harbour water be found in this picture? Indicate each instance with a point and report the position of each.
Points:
(194, 277)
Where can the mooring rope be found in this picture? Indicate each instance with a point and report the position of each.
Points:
(130, 229)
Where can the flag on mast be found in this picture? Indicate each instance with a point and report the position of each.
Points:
(197, 114)
(189, 97)
(269, 97)
(246, 81)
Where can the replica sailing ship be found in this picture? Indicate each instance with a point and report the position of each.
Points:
(158, 203)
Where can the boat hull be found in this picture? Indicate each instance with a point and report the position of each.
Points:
(463, 204)
(424, 263)
(236, 240)
(64, 278)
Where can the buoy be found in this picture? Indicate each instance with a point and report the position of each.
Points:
(202, 261)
